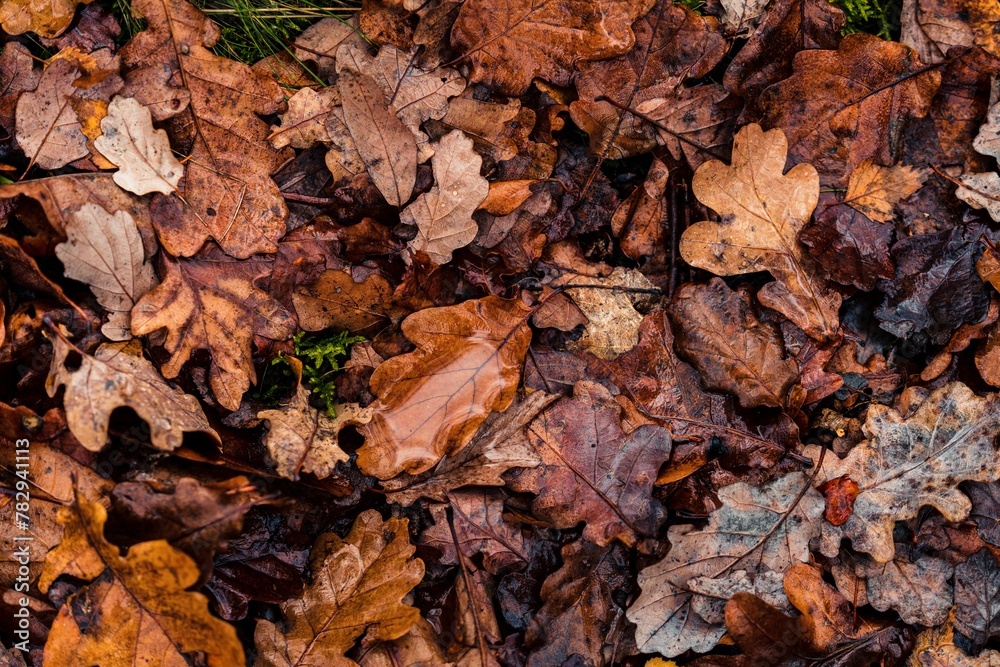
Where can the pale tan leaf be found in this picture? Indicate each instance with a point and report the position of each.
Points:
(304, 124)
(443, 216)
(142, 154)
(48, 130)
(118, 376)
(105, 251)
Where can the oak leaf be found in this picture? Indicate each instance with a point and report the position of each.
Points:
(227, 193)
(977, 598)
(357, 588)
(840, 108)
(763, 211)
(932, 27)
(46, 18)
(304, 124)
(443, 216)
(982, 190)
(754, 537)
(48, 129)
(18, 74)
(334, 300)
(591, 471)
(874, 189)
(141, 153)
(431, 401)
(105, 251)
(417, 648)
(935, 647)
(910, 462)
(986, 510)
(212, 303)
(719, 335)
(387, 147)
(302, 438)
(500, 444)
(116, 376)
(139, 610)
(543, 40)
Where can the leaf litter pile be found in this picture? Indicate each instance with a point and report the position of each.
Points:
(573, 333)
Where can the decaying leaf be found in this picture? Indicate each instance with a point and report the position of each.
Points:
(47, 18)
(336, 301)
(763, 211)
(542, 40)
(105, 251)
(874, 190)
(591, 471)
(304, 124)
(302, 438)
(48, 129)
(749, 543)
(141, 153)
(357, 587)
(117, 375)
(720, 336)
(136, 608)
(983, 190)
(977, 598)
(227, 193)
(443, 216)
(910, 462)
(432, 400)
(212, 303)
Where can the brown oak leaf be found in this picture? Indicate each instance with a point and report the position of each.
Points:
(141, 153)
(46, 18)
(357, 588)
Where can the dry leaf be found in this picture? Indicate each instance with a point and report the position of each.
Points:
(136, 609)
(105, 251)
(431, 401)
(543, 40)
(500, 444)
(417, 648)
(443, 216)
(46, 18)
(18, 74)
(755, 537)
(910, 462)
(116, 376)
(873, 189)
(983, 190)
(763, 211)
(386, 145)
(304, 124)
(302, 438)
(227, 193)
(141, 153)
(591, 471)
(356, 589)
(719, 335)
(977, 598)
(48, 130)
(936, 648)
(336, 301)
(212, 303)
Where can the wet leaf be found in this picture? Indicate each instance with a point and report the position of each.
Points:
(48, 130)
(357, 587)
(136, 608)
(431, 401)
(977, 598)
(47, 18)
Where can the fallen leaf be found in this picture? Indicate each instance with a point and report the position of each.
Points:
(431, 401)
(417, 648)
(304, 124)
(982, 190)
(936, 648)
(137, 607)
(116, 376)
(500, 444)
(141, 153)
(212, 303)
(105, 251)
(932, 27)
(46, 18)
(719, 335)
(640, 221)
(443, 216)
(302, 438)
(592, 472)
(977, 598)
(873, 190)
(18, 74)
(840, 108)
(227, 193)
(48, 130)
(910, 462)
(386, 145)
(763, 211)
(334, 300)
(357, 588)
(476, 527)
(755, 535)
(986, 510)
(541, 40)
